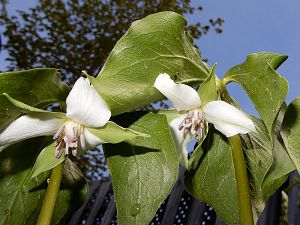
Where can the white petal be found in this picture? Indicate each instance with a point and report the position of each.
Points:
(227, 119)
(180, 140)
(91, 140)
(86, 106)
(29, 126)
(182, 96)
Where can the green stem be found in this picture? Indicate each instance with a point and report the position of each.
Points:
(242, 181)
(246, 215)
(51, 195)
(223, 92)
(189, 80)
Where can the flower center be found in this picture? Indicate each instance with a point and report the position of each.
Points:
(193, 123)
(69, 137)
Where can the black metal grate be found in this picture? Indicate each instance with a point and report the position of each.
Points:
(159, 214)
(183, 209)
(179, 208)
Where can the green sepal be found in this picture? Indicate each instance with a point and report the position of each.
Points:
(171, 114)
(208, 89)
(113, 133)
(31, 87)
(29, 109)
(45, 161)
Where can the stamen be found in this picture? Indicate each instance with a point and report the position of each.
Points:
(74, 152)
(193, 123)
(82, 141)
(58, 153)
(67, 147)
(67, 137)
(59, 149)
(75, 131)
(59, 132)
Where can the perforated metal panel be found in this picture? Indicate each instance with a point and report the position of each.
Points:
(179, 208)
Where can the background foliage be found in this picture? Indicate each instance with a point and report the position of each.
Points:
(76, 35)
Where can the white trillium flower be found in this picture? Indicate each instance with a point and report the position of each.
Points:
(86, 111)
(193, 118)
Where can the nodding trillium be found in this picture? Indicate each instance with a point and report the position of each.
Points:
(85, 125)
(194, 117)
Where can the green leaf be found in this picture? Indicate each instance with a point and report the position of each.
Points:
(259, 162)
(213, 179)
(290, 131)
(282, 166)
(195, 158)
(258, 153)
(46, 161)
(267, 163)
(69, 200)
(208, 89)
(143, 171)
(265, 87)
(31, 87)
(153, 45)
(23, 199)
(213, 169)
(113, 133)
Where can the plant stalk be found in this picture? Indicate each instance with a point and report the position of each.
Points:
(242, 181)
(48, 206)
(246, 215)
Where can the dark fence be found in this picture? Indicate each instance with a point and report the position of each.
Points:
(180, 208)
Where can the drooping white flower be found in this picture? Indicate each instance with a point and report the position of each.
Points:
(193, 118)
(73, 130)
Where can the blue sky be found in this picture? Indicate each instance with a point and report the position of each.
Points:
(253, 26)
(12, 7)
(250, 26)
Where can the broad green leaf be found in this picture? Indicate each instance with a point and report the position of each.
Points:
(259, 162)
(113, 133)
(195, 158)
(208, 89)
(143, 171)
(282, 166)
(46, 161)
(213, 169)
(267, 163)
(265, 87)
(258, 151)
(23, 199)
(213, 179)
(69, 200)
(153, 45)
(290, 131)
(36, 87)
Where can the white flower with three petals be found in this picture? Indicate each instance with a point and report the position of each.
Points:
(73, 131)
(194, 116)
